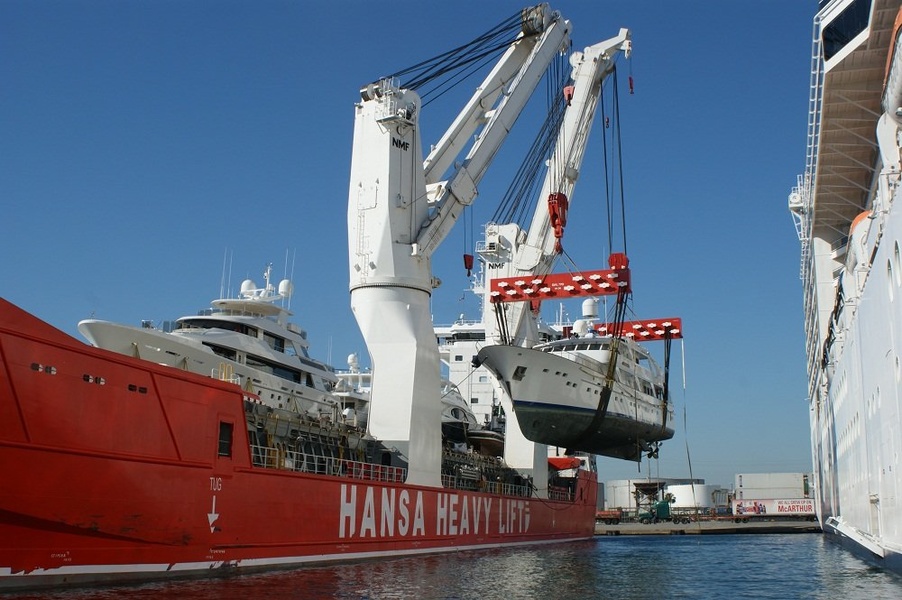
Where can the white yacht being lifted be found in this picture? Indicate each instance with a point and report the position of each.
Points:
(559, 392)
(590, 390)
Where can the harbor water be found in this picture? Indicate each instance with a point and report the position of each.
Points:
(778, 566)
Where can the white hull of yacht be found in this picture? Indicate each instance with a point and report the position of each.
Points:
(188, 354)
(557, 401)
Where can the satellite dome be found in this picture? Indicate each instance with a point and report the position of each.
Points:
(285, 288)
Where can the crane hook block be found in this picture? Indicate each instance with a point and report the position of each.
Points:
(568, 94)
(468, 263)
(618, 260)
(557, 210)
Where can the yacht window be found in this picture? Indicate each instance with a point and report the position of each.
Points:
(223, 352)
(467, 335)
(215, 324)
(583, 346)
(274, 342)
(279, 370)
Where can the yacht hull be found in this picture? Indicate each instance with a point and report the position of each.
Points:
(557, 403)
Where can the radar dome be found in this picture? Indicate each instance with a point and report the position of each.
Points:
(352, 361)
(590, 308)
(285, 288)
(581, 327)
(248, 285)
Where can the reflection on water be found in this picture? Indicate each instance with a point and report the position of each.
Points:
(706, 566)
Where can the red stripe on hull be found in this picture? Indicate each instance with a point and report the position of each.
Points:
(111, 471)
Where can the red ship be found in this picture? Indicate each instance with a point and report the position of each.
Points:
(119, 469)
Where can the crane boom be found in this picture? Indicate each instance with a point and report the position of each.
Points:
(475, 112)
(449, 197)
(397, 216)
(508, 251)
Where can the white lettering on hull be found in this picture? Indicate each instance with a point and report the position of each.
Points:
(367, 513)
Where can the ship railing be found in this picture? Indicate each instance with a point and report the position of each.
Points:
(278, 458)
(458, 482)
(361, 470)
(559, 493)
(225, 372)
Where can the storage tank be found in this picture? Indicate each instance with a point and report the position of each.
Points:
(698, 495)
(621, 493)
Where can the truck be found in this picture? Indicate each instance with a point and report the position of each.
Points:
(658, 512)
(609, 517)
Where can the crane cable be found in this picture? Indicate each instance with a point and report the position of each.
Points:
(523, 191)
(464, 60)
(621, 304)
(686, 425)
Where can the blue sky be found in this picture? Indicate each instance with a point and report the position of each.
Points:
(142, 141)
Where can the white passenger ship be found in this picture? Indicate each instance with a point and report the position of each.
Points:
(849, 220)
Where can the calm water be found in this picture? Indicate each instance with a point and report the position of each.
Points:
(658, 567)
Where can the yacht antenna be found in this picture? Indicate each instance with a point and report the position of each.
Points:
(222, 280)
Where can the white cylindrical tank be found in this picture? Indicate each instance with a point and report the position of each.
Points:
(698, 495)
(621, 493)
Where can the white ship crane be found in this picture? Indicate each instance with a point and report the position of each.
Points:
(400, 209)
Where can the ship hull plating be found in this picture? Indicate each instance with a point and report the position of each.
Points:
(118, 469)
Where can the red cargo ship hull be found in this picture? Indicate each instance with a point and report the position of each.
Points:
(117, 469)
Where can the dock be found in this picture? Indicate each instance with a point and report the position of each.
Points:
(708, 528)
